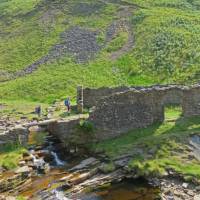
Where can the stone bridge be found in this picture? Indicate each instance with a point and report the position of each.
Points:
(61, 128)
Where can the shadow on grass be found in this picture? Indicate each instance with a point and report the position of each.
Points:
(182, 125)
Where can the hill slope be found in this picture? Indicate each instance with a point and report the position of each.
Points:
(49, 47)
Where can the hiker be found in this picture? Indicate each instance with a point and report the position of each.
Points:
(67, 104)
(38, 111)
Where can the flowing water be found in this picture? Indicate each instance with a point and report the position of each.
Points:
(57, 159)
(126, 190)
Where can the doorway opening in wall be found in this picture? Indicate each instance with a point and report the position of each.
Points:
(173, 112)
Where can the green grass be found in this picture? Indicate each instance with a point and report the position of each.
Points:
(182, 4)
(10, 155)
(158, 147)
(21, 198)
(166, 35)
(118, 42)
(50, 84)
(171, 37)
(172, 112)
(20, 108)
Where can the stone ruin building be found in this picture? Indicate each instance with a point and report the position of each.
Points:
(118, 110)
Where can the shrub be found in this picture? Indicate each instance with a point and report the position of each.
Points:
(86, 126)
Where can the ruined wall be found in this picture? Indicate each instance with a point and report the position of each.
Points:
(191, 101)
(16, 135)
(173, 94)
(137, 108)
(92, 96)
(127, 110)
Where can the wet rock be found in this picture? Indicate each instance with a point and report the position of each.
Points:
(12, 182)
(24, 169)
(25, 154)
(107, 167)
(85, 164)
(185, 185)
(82, 177)
(49, 158)
(28, 158)
(22, 163)
(155, 182)
(38, 148)
(122, 162)
(43, 169)
(176, 189)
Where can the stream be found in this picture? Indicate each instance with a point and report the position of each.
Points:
(51, 164)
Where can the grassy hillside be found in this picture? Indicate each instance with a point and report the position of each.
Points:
(166, 35)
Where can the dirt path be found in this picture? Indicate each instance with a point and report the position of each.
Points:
(124, 23)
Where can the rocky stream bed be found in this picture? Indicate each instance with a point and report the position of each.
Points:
(49, 172)
(43, 175)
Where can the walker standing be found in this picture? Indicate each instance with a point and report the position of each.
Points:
(68, 105)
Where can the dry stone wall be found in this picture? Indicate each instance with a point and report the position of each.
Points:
(124, 111)
(63, 129)
(139, 107)
(18, 134)
(191, 101)
(91, 96)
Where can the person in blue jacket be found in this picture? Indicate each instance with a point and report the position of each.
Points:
(68, 104)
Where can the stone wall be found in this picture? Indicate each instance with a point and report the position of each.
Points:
(191, 101)
(18, 134)
(63, 129)
(90, 96)
(137, 108)
(124, 111)
(172, 95)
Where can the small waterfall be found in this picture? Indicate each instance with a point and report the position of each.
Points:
(57, 160)
(51, 150)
